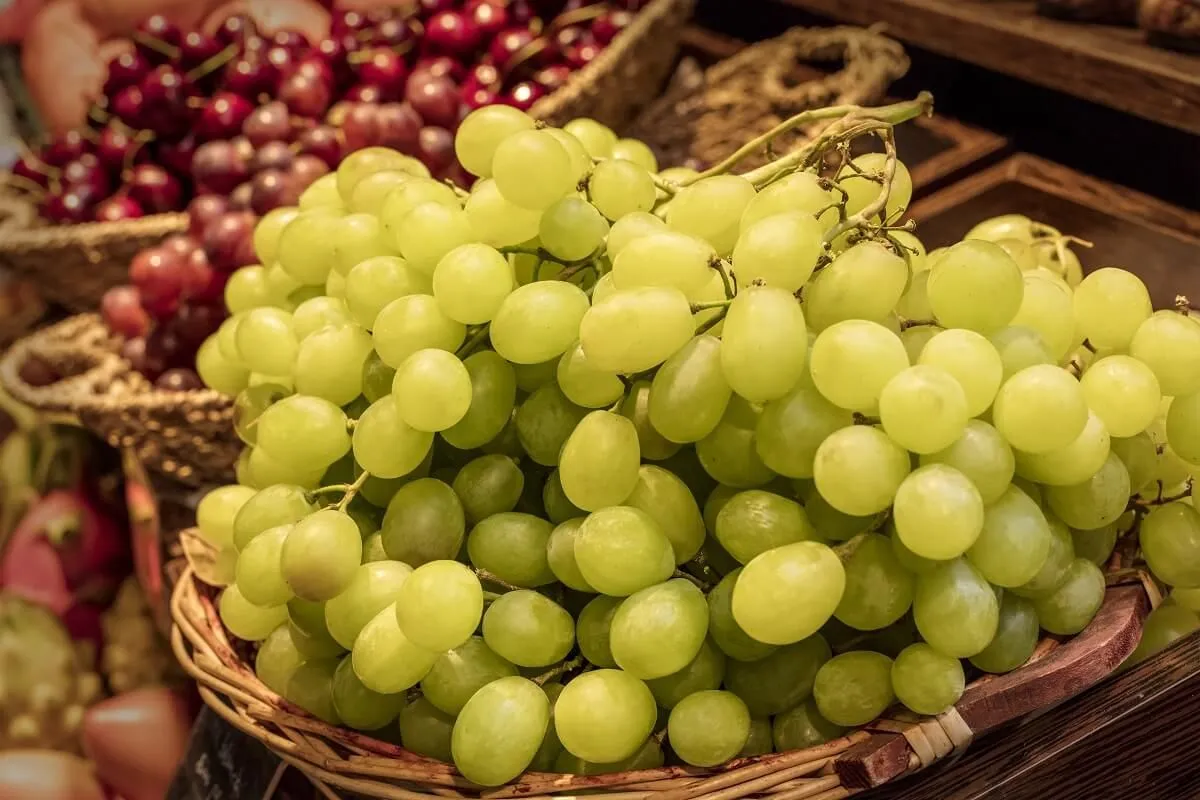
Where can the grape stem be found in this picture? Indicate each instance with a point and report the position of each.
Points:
(697, 307)
(905, 324)
(458, 190)
(1183, 305)
(876, 207)
(725, 269)
(559, 670)
(472, 344)
(213, 64)
(712, 323)
(352, 491)
(700, 584)
(1136, 504)
(700, 562)
(863, 419)
(484, 575)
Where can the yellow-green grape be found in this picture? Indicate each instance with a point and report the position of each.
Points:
(938, 512)
(635, 329)
(277, 660)
(854, 688)
(268, 230)
(708, 728)
(560, 555)
(532, 169)
(385, 445)
(973, 362)
(1095, 502)
(571, 229)
(666, 498)
(1110, 304)
(1070, 608)
(461, 672)
(321, 554)
(765, 344)
(636, 151)
(983, 456)
(780, 250)
(1164, 626)
(729, 454)
(585, 385)
(755, 521)
(597, 139)
(658, 630)
(711, 209)
(266, 341)
(335, 284)
(258, 569)
(432, 390)
(879, 590)
(1169, 343)
(1014, 542)
(311, 688)
(1124, 393)
(216, 512)
(545, 421)
(704, 672)
(316, 313)
(322, 193)
(599, 463)
(440, 605)
(923, 409)
(955, 609)
(512, 546)
(385, 660)
(859, 470)
(1098, 545)
(1046, 307)
(1016, 637)
(248, 288)
(426, 731)
(1008, 226)
(666, 258)
(792, 428)
(1183, 427)
(424, 522)
(926, 681)
(852, 361)
(627, 229)
(1076, 462)
(430, 231)
(619, 187)
(1170, 539)
(495, 220)
(865, 281)
(373, 588)
(604, 715)
(358, 237)
(724, 629)
(359, 707)
(593, 628)
(493, 396)
(528, 629)
(490, 484)
(246, 620)
(306, 246)
(267, 470)
(806, 577)
(499, 730)
(914, 303)
(636, 408)
(862, 191)
(1019, 349)
(405, 197)
(538, 322)
(369, 193)
(689, 393)
(273, 506)
(975, 285)
(800, 191)
(304, 430)
(370, 160)
(802, 727)
(376, 282)
(330, 363)
(621, 550)
(482, 131)
(581, 161)
(470, 283)
(1140, 456)
(1054, 567)
(779, 681)
(1040, 409)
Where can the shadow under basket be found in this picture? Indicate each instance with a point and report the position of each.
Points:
(186, 435)
(338, 760)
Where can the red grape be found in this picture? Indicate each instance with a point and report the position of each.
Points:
(158, 277)
(32, 169)
(121, 309)
(385, 70)
(164, 102)
(271, 189)
(442, 66)
(229, 240)
(506, 46)
(218, 167)
(126, 69)
(63, 148)
(86, 169)
(202, 211)
(553, 76)
(304, 170)
(177, 156)
(452, 32)
(236, 29)
(524, 94)
(179, 380)
(322, 141)
(197, 48)
(239, 198)
(489, 16)
(267, 123)
(195, 322)
(127, 106)
(223, 116)
(362, 93)
(72, 204)
(360, 128)
(272, 155)
(436, 149)
(434, 98)
(399, 126)
(306, 94)
(117, 208)
(606, 27)
(180, 245)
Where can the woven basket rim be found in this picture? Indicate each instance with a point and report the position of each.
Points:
(48, 235)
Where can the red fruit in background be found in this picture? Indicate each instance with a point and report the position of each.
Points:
(507, 45)
(72, 204)
(272, 155)
(306, 94)
(435, 148)
(178, 156)
(179, 244)
(127, 106)
(196, 321)
(360, 127)
(228, 242)
(385, 70)
(362, 93)
(322, 141)
(522, 12)
(164, 102)
(553, 77)
(158, 275)
(218, 167)
(64, 148)
(271, 189)
(398, 127)
(114, 146)
(202, 211)
(249, 76)
(158, 30)
(136, 741)
(134, 351)
(434, 98)
(179, 379)
(88, 170)
(127, 69)
(235, 29)
(349, 22)
(580, 55)
(121, 308)
(524, 94)
(239, 198)
(201, 282)
(606, 27)
(292, 40)
(196, 48)
(47, 775)
(279, 61)
(154, 189)
(397, 33)
(304, 170)
(315, 67)
(163, 351)
(452, 32)
(333, 52)
(117, 208)
(430, 7)
(223, 116)
(442, 66)
(267, 123)
(32, 169)
(488, 16)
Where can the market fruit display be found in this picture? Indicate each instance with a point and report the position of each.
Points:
(596, 466)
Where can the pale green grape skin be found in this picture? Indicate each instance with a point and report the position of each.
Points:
(690, 393)
(322, 193)
(729, 454)
(1019, 349)
(852, 361)
(482, 131)
(858, 470)
(724, 629)
(426, 731)
(581, 161)
(648, 756)
(622, 550)
(1169, 343)
(1046, 307)
(938, 513)
(780, 680)
(321, 555)
(489, 485)
(1070, 608)
(666, 498)
(1187, 598)
(975, 285)
(512, 546)
(917, 565)
(854, 688)
(659, 630)
(955, 609)
(440, 605)
(755, 521)
(493, 397)
(1183, 427)
(306, 246)
(1098, 545)
(625, 230)
(914, 303)
(779, 250)
(531, 377)
(386, 446)
(665, 258)
(268, 230)
(764, 344)
(1170, 539)
(375, 586)
(538, 322)
(544, 423)
(359, 707)
(585, 385)
(703, 673)
(1076, 462)
(636, 408)
(499, 730)
(248, 289)
(636, 151)
(430, 231)
(926, 681)
(408, 195)
(314, 314)
(560, 555)
(791, 429)
(310, 687)
(981, 454)
(558, 508)
(1040, 409)
(1057, 561)
(598, 466)
(432, 390)
(1093, 503)
(619, 187)
(1163, 627)
(532, 169)
(370, 160)
(923, 409)
(879, 590)
(800, 191)
(1124, 393)
(411, 323)
(636, 329)
(1016, 637)
(267, 470)
(806, 577)
(862, 191)
(424, 522)
(266, 341)
(712, 208)
(246, 620)
(1110, 304)
(470, 283)
(866, 281)
(572, 229)
(596, 138)
(496, 221)
(216, 512)
(593, 629)
(258, 572)
(604, 715)
(330, 362)
(280, 504)
(1014, 542)
(708, 728)
(385, 660)
(973, 362)
(359, 237)
(277, 660)
(528, 629)
(304, 430)
(802, 727)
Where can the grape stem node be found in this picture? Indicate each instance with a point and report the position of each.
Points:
(725, 269)
(559, 670)
(863, 419)
(485, 576)
(352, 491)
(699, 583)
(905, 324)
(698, 307)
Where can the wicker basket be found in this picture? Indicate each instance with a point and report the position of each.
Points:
(706, 116)
(898, 745)
(187, 435)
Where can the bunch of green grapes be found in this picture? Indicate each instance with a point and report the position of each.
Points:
(594, 460)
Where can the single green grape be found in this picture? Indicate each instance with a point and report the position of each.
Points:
(983, 456)
(246, 620)
(259, 575)
(666, 498)
(805, 577)
(853, 360)
(385, 660)
(926, 681)
(1076, 462)
(792, 428)
(708, 728)
(854, 688)
(277, 660)
(489, 485)
(499, 730)
(424, 522)
(560, 554)
(972, 360)
(496, 221)
(470, 283)
(512, 546)
(955, 609)
(276, 505)
(712, 208)
(493, 397)
(1040, 409)
(426, 731)
(1015, 541)
(729, 454)
(414, 322)
(689, 393)
(762, 320)
(923, 409)
(636, 329)
(1016, 636)
(385, 445)
(593, 630)
(1123, 392)
(724, 629)
(865, 281)
(482, 131)
(311, 688)
(622, 550)
(1054, 566)
(528, 629)
(802, 727)
(216, 512)
(975, 285)
(1169, 344)
(359, 707)
(1070, 608)
(585, 385)
(780, 250)
(538, 322)
(1109, 305)
(440, 605)
(704, 672)
(598, 466)
(859, 471)
(1095, 502)
(374, 587)
(879, 589)
(1170, 540)
(321, 555)
(755, 521)
(659, 630)
(636, 407)
(604, 715)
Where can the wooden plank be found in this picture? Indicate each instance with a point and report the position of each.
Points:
(1104, 64)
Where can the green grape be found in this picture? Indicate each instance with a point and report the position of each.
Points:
(268, 230)
(581, 161)
(806, 577)
(306, 626)
(512, 546)
(1187, 598)
(426, 731)
(983, 456)
(1164, 626)
(1110, 304)
(955, 609)
(926, 681)
(495, 220)
(596, 138)
(711, 208)
(585, 385)
(866, 281)
(973, 362)
(314, 314)
(374, 587)
(637, 152)
(622, 550)
(1009, 226)
(923, 409)
(858, 470)
(531, 377)
(430, 231)
(1169, 344)
(1095, 502)
(385, 660)
(800, 191)
(1016, 637)
(636, 329)
(914, 305)
(373, 551)
(1096, 546)
(917, 565)
(690, 393)
(598, 466)
(411, 323)
(604, 715)
(528, 629)
(311, 688)
(385, 445)
(330, 363)
(248, 289)
(780, 680)
(755, 521)
(780, 250)
(593, 630)
(266, 341)
(560, 554)
(862, 191)
(619, 187)
(975, 285)
(281, 504)
(724, 629)
(538, 322)
(458, 674)
(370, 193)
(277, 660)
(1054, 567)
(226, 338)
(545, 422)
(1076, 462)
(625, 230)
(482, 131)
(359, 237)
(571, 229)
(489, 485)
(500, 730)
(258, 569)
(648, 756)
(636, 408)
(432, 390)
(1170, 539)
(322, 193)
(216, 512)
(709, 728)
(879, 590)
(1046, 308)
(375, 282)
(1014, 542)
(713, 295)
(1123, 392)
(802, 727)
(359, 707)
(1019, 349)
(424, 522)
(791, 429)
(666, 498)
(1183, 427)
(1069, 608)
(658, 630)
(493, 397)
(470, 283)
(370, 160)
(377, 378)
(703, 673)
(335, 285)
(306, 248)
(764, 320)
(268, 470)
(1040, 409)
(558, 508)
(247, 621)
(729, 453)
(440, 605)
(321, 555)
(852, 361)
(407, 196)
(667, 259)
(532, 169)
